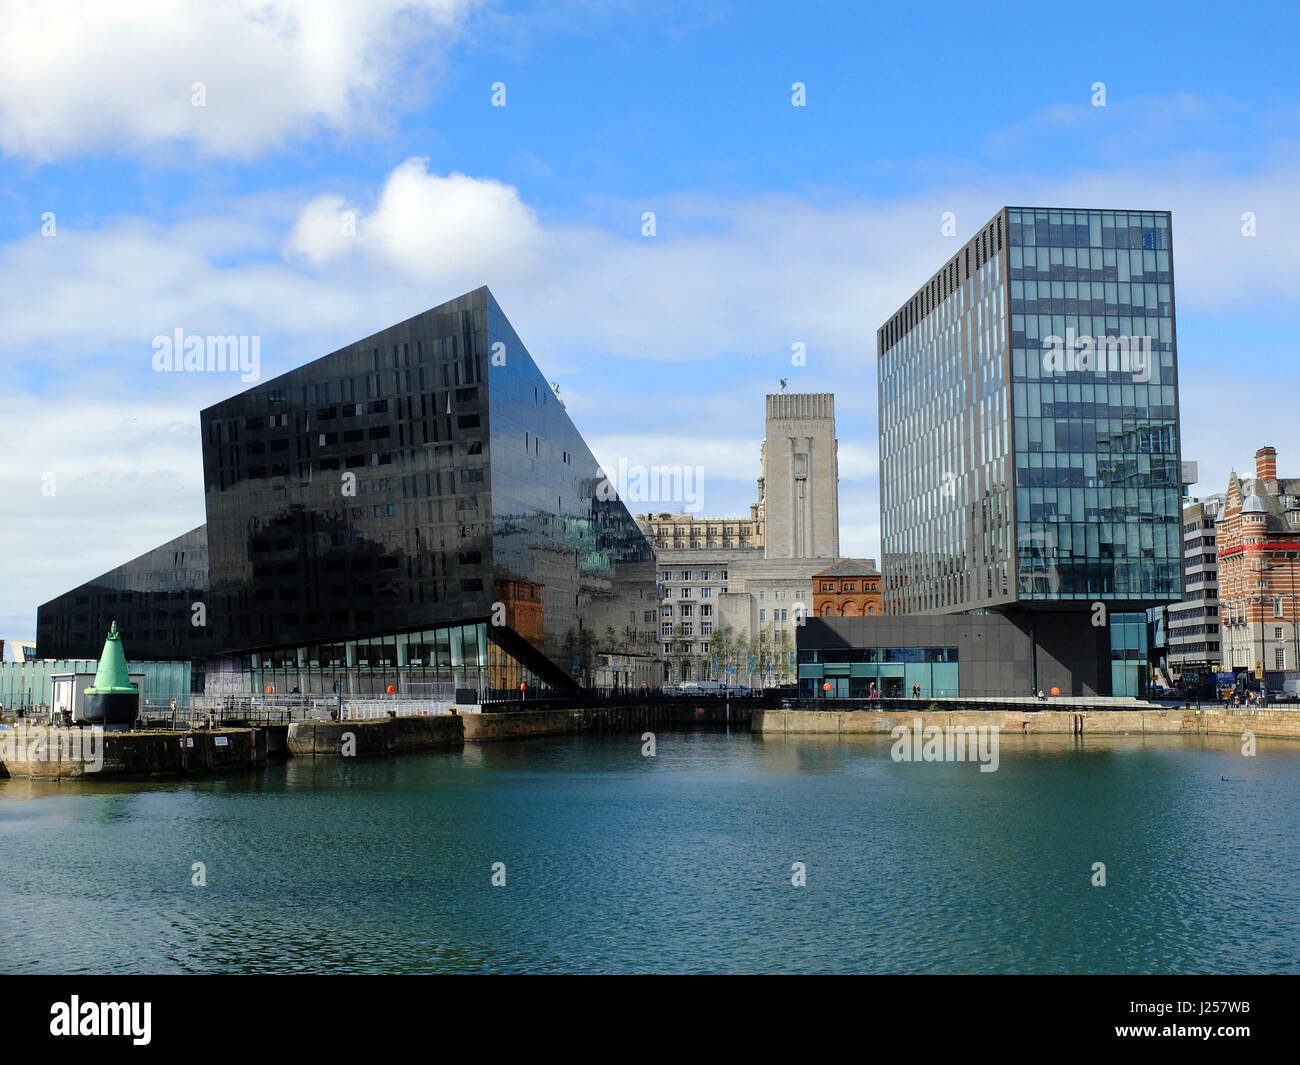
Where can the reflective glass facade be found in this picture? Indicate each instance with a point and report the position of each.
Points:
(945, 438)
(368, 509)
(1029, 419)
(1098, 497)
(851, 672)
(430, 663)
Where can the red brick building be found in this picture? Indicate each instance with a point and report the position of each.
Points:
(1259, 569)
(848, 589)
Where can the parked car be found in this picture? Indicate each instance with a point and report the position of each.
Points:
(736, 691)
(671, 690)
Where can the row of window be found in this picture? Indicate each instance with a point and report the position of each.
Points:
(706, 610)
(703, 575)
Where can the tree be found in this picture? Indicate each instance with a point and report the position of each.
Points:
(784, 645)
(724, 645)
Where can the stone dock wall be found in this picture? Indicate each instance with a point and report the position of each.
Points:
(41, 752)
(327, 739)
(1267, 722)
(324, 739)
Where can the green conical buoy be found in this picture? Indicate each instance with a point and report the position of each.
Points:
(111, 678)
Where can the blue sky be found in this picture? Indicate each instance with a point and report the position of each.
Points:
(775, 224)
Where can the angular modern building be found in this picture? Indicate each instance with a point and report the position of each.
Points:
(414, 509)
(1029, 446)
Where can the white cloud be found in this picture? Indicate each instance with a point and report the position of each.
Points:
(84, 76)
(88, 484)
(454, 231)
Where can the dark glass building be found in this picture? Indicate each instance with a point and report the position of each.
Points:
(152, 599)
(415, 509)
(1029, 447)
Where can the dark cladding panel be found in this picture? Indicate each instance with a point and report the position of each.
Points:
(153, 599)
(350, 496)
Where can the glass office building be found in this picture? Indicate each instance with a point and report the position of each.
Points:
(416, 508)
(1029, 421)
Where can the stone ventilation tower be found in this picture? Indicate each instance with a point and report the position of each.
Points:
(801, 477)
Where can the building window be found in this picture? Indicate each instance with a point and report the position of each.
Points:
(706, 610)
(1277, 632)
(851, 586)
(828, 586)
(706, 628)
(667, 612)
(1277, 608)
(704, 647)
(686, 593)
(762, 615)
(686, 575)
(687, 610)
(666, 629)
(706, 593)
(1279, 658)
(687, 629)
(704, 575)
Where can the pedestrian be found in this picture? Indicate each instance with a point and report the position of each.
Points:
(1040, 694)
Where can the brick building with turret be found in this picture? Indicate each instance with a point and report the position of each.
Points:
(1258, 539)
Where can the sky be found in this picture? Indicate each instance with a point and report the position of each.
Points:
(311, 171)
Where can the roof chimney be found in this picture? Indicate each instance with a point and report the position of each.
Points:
(1266, 468)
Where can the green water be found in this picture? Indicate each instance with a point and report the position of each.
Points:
(616, 862)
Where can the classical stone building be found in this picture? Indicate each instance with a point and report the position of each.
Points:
(1259, 570)
(733, 590)
(850, 588)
